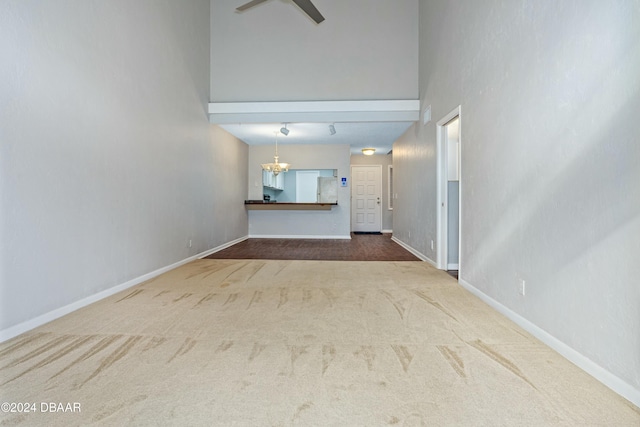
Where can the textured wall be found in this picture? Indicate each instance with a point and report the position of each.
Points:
(225, 179)
(414, 211)
(365, 49)
(549, 93)
(108, 163)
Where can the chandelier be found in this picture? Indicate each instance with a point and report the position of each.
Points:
(276, 167)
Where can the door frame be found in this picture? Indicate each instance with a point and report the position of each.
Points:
(442, 193)
(379, 186)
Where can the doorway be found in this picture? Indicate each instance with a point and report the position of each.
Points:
(307, 186)
(449, 190)
(366, 194)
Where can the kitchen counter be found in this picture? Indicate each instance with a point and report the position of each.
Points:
(260, 205)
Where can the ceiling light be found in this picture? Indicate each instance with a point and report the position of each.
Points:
(368, 151)
(276, 167)
(284, 130)
(332, 129)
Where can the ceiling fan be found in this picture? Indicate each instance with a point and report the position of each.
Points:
(305, 5)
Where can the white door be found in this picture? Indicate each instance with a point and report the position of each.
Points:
(366, 195)
(307, 186)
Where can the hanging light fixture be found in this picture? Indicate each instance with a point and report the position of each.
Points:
(368, 151)
(276, 167)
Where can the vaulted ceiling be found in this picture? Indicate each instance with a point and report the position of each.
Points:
(365, 50)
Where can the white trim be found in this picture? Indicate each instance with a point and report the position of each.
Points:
(315, 111)
(30, 324)
(389, 187)
(460, 185)
(420, 255)
(387, 231)
(296, 236)
(453, 266)
(314, 106)
(221, 247)
(610, 380)
(442, 202)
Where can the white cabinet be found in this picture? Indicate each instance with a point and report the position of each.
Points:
(270, 180)
(278, 181)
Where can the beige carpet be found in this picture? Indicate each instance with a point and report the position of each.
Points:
(314, 343)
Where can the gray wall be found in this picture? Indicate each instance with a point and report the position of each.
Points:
(549, 94)
(414, 210)
(384, 160)
(108, 165)
(365, 49)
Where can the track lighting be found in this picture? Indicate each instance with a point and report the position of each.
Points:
(284, 130)
(332, 129)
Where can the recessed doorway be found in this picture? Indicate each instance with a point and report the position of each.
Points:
(449, 190)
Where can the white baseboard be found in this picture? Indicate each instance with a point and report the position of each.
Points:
(296, 236)
(387, 231)
(453, 266)
(616, 384)
(413, 251)
(23, 327)
(221, 247)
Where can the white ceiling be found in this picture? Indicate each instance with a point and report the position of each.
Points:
(358, 135)
(359, 124)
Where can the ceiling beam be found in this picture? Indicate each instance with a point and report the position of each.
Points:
(315, 111)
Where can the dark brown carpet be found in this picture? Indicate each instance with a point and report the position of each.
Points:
(361, 247)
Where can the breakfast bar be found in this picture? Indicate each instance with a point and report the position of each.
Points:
(261, 205)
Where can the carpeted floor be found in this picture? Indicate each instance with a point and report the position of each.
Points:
(309, 343)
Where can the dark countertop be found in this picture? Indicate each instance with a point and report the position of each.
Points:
(273, 205)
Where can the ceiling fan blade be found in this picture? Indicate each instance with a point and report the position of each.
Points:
(248, 5)
(310, 10)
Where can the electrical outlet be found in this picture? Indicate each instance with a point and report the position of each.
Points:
(523, 287)
(431, 244)
(190, 243)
